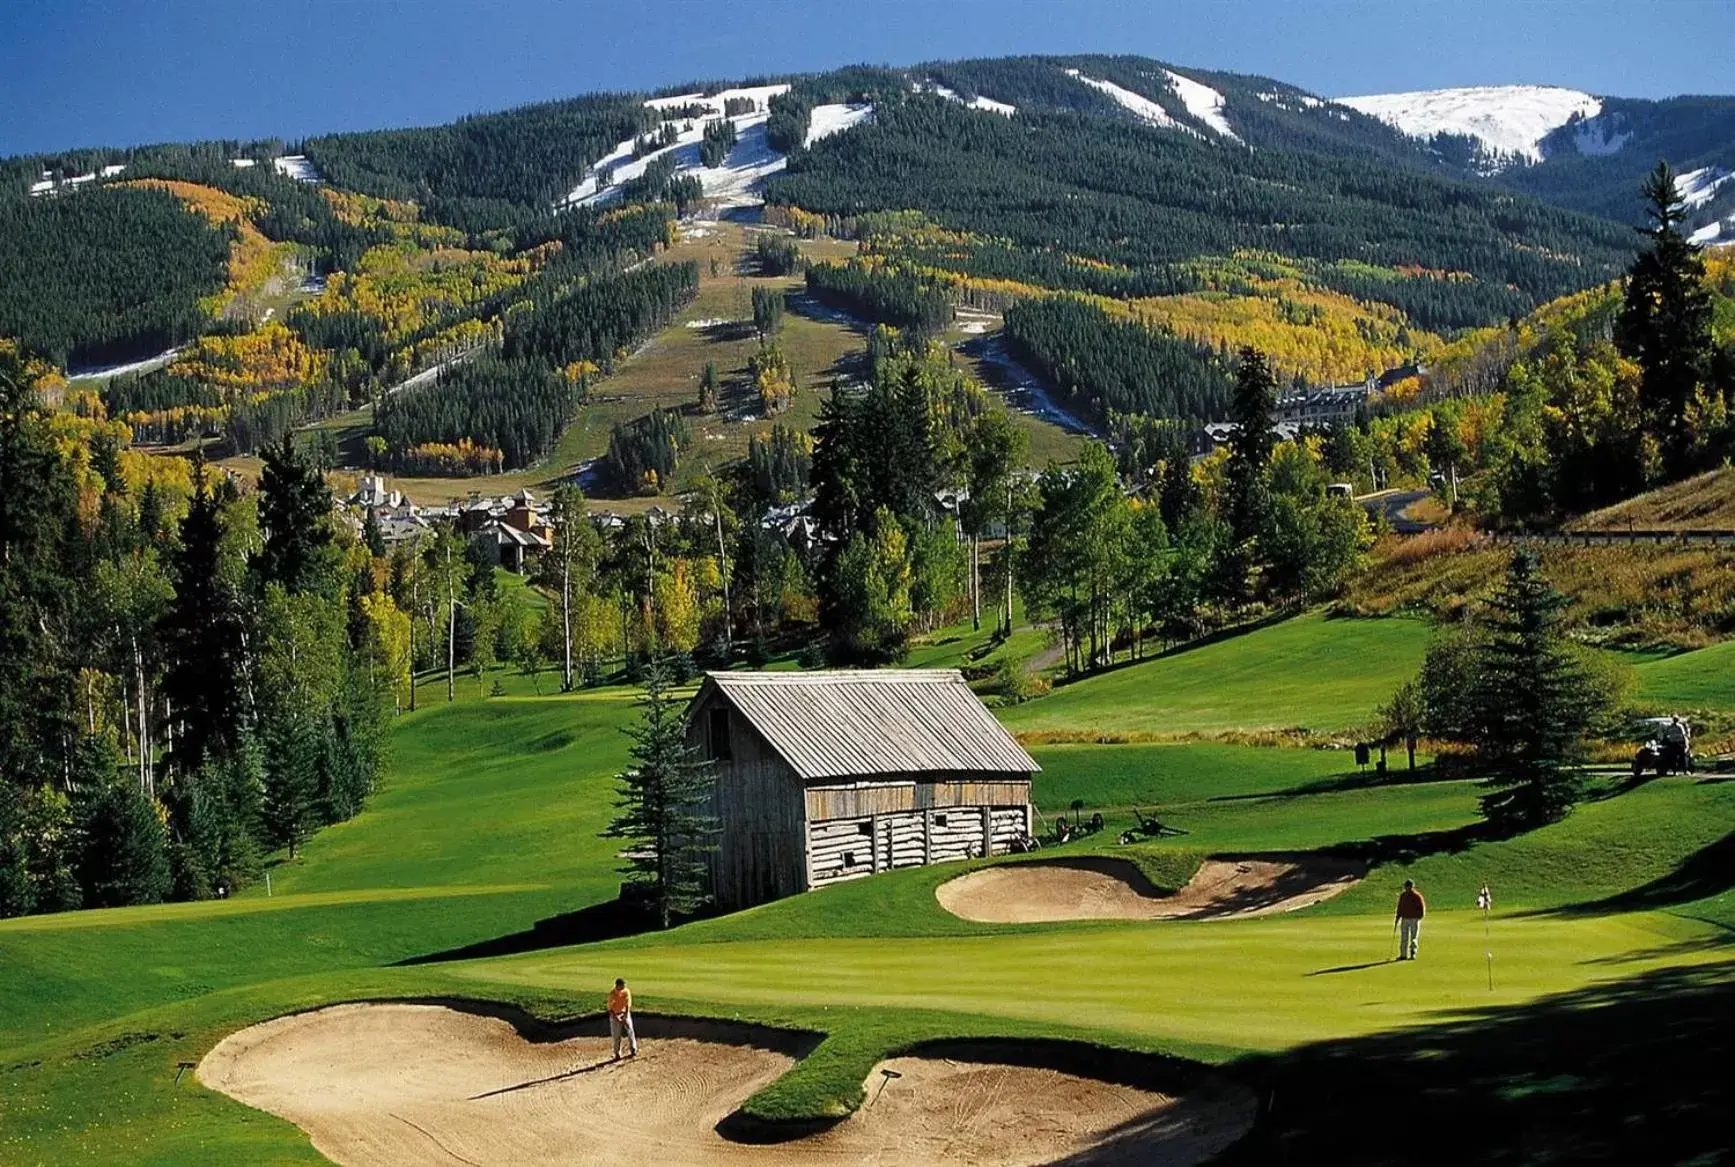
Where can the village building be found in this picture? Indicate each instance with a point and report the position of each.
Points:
(828, 776)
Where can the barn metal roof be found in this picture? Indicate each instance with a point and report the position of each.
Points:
(885, 721)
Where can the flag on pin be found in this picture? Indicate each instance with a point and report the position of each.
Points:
(1485, 898)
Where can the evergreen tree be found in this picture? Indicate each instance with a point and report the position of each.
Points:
(767, 312)
(294, 512)
(708, 385)
(1247, 502)
(125, 850)
(1530, 703)
(289, 794)
(203, 629)
(1665, 324)
(663, 800)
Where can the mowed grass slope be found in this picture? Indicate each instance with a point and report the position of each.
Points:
(1310, 672)
(487, 822)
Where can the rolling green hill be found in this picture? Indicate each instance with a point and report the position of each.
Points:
(487, 823)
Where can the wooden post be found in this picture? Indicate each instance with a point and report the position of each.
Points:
(874, 842)
(987, 832)
(927, 837)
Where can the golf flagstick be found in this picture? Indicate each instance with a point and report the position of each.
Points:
(1485, 901)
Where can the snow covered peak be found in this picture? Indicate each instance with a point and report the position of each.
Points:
(1509, 120)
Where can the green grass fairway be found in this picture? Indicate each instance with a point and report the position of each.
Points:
(487, 821)
(1308, 672)
(1703, 679)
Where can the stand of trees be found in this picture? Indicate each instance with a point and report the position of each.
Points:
(1105, 366)
(602, 318)
(109, 274)
(896, 297)
(516, 406)
(526, 157)
(187, 682)
(643, 453)
(719, 138)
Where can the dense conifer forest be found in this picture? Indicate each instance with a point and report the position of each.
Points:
(82, 279)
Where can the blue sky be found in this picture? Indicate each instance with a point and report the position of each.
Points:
(120, 72)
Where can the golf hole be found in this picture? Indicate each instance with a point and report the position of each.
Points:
(392, 1083)
(1091, 887)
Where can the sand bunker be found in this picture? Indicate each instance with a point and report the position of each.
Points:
(424, 1084)
(1104, 888)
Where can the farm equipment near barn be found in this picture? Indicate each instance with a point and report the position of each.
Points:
(1149, 827)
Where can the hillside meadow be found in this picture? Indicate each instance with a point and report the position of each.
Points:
(487, 823)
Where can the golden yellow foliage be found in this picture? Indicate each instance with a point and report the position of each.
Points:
(253, 259)
(269, 358)
(1320, 335)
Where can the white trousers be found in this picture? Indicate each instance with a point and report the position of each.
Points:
(622, 1026)
(1409, 933)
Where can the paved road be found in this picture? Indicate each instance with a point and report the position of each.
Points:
(1392, 504)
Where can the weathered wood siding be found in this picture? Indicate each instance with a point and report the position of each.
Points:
(900, 793)
(761, 853)
(847, 848)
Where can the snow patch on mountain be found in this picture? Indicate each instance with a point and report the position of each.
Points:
(1202, 102)
(735, 183)
(1598, 137)
(1291, 101)
(1698, 187)
(1136, 104)
(826, 120)
(987, 104)
(296, 166)
(1509, 120)
(760, 95)
(1721, 233)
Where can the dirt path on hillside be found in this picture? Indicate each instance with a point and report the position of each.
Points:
(1106, 888)
(380, 1084)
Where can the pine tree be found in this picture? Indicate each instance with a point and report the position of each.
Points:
(1247, 504)
(204, 633)
(294, 513)
(125, 851)
(290, 791)
(1665, 324)
(662, 803)
(1531, 703)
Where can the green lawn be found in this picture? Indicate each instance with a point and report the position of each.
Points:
(1702, 679)
(1310, 672)
(486, 823)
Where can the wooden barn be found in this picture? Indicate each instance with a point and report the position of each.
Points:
(827, 776)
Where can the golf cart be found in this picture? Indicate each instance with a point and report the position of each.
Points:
(1669, 749)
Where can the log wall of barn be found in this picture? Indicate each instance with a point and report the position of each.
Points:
(761, 843)
(884, 840)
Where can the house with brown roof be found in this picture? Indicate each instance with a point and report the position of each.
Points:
(828, 776)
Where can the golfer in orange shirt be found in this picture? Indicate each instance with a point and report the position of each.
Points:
(620, 1019)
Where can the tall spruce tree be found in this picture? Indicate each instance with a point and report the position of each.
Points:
(1531, 702)
(1247, 502)
(662, 801)
(1665, 324)
(294, 513)
(203, 628)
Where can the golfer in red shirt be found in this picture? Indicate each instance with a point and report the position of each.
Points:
(1411, 909)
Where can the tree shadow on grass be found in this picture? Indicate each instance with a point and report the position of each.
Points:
(1706, 872)
(605, 921)
(1632, 1070)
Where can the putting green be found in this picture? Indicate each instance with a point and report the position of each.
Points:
(1254, 985)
